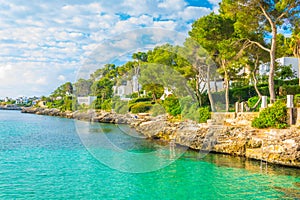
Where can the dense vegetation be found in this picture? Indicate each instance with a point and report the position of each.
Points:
(227, 47)
(274, 117)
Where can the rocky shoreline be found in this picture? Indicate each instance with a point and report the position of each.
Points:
(10, 107)
(268, 145)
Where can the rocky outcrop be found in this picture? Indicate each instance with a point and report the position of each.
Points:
(89, 115)
(272, 146)
(268, 145)
(10, 107)
(43, 111)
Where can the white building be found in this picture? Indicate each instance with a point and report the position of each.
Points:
(86, 100)
(21, 100)
(264, 69)
(127, 88)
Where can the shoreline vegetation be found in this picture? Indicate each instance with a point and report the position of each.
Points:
(275, 146)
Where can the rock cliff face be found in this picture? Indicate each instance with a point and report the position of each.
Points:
(273, 146)
(238, 139)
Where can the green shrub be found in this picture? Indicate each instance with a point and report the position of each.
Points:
(97, 103)
(286, 82)
(141, 99)
(49, 105)
(67, 105)
(289, 90)
(272, 117)
(120, 106)
(253, 100)
(297, 100)
(140, 107)
(204, 114)
(157, 109)
(106, 105)
(133, 95)
(172, 105)
(189, 108)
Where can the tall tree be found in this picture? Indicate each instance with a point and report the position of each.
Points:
(253, 57)
(263, 17)
(216, 34)
(108, 70)
(174, 59)
(103, 89)
(83, 87)
(200, 62)
(63, 90)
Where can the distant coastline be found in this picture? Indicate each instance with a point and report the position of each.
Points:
(10, 107)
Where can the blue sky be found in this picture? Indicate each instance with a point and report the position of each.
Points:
(45, 43)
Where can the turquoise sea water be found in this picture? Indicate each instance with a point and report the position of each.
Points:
(43, 157)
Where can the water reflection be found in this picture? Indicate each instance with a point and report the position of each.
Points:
(291, 189)
(223, 160)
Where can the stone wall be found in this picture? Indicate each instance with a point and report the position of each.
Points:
(231, 118)
(249, 116)
(220, 117)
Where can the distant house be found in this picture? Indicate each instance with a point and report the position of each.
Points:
(264, 69)
(18, 101)
(86, 100)
(21, 100)
(127, 88)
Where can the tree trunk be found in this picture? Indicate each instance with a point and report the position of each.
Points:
(154, 98)
(272, 64)
(296, 53)
(198, 91)
(272, 53)
(137, 77)
(255, 79)
(211, 100)
(256, 89)
(226, 84)
(227, 94)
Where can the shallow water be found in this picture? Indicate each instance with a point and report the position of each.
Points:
(45, 157)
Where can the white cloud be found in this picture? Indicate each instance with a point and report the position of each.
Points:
(32, 78)
(193, 13)
(43, 43)
(61, 78)
(133, 23)
(169, 25)
(172, 4)
(41, 81)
